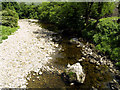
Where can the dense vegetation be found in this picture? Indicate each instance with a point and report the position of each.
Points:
(6, 31)
(9, 23)
(87, 19)
(9, 18)
(106, 37)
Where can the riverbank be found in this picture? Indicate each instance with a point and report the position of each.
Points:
(22, 53)
(30, 59)
(90, 54)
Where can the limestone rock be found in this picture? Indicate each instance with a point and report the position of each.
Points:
(74, 73)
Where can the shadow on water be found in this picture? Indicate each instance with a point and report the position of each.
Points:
(69, 53)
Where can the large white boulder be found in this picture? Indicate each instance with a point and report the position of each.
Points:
(75, 73)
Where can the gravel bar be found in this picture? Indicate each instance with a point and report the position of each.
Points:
(22, 52)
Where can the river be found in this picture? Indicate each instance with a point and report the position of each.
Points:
(69, 53)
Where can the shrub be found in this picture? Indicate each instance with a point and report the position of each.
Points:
(106, 37)
(9, 18)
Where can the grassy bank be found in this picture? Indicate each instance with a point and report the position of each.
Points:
(6, 31)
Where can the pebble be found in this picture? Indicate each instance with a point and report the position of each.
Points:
(33, 80)
(83, 58)
(71, 84)
(19, 55)
(38, 77)
(40, 73)
(80, 60)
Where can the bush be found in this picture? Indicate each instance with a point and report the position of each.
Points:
(9, 18)
(106, 37)
(89, 31)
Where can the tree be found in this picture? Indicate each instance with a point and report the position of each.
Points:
(100, 9)
(88, 6)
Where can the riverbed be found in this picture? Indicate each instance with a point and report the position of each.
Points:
(70, 53)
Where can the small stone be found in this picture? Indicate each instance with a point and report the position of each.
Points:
(38, 77)
(40, 73)
(111, 70)
(114, 81)
(80, 60)
(98, 63)
(83, 58)
(78, 46)
(34, 74)
(71, 84)
(93, 88)
(84, 46)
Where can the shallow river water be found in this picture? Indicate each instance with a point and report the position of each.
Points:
(70, 54)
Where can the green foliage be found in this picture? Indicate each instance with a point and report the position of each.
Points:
(9, 18)
(118, 64)
(5, 31)
(23, 10)
(11, 5)
(28, 11)
(67, 16)
(106, 37)
(89, 31)
(108, 41)
(71, 73)
(100, 9)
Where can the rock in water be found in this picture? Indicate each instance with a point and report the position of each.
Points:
(74, 73)
(74, 41)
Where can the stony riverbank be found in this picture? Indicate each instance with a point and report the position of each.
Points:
(22, 53)
(95, 57)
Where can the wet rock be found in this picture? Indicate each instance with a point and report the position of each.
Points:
(74, 41)
(71, 83)
(80, 60)
(74, 73)
(97, 63)
(80, 39)
(114, 85)
(78, 46)
(93, 88)
(92, 46)
(93, 61)
(83, 58)
(81, 44)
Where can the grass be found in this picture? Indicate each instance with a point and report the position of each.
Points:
(6, 31)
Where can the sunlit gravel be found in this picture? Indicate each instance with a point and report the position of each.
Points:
(21, 53)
